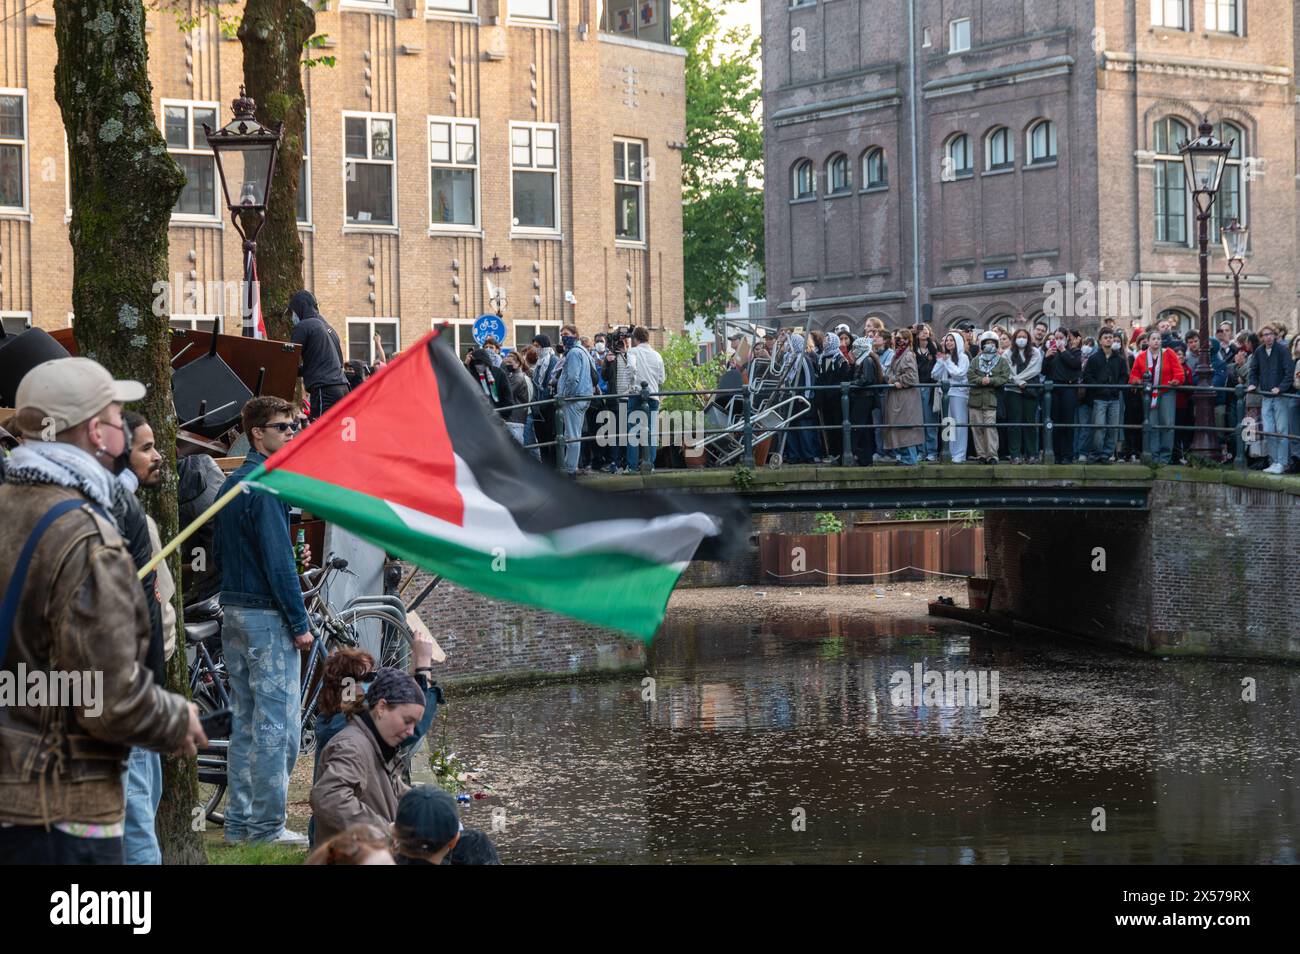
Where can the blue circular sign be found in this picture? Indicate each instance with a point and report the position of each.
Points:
(489, 326)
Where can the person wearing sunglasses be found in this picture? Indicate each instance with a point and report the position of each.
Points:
(265, 625)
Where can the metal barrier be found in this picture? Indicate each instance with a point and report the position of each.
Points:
(1234, 433)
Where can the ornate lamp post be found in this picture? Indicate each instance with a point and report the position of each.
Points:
(1203, 161)
(1233, 236)
(245, 151)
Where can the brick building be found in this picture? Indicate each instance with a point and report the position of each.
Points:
(543, 133)
(945, 159)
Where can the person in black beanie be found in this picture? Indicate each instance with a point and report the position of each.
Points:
(322, 354)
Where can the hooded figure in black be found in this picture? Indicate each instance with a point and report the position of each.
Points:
(322, 354)
(491, 380)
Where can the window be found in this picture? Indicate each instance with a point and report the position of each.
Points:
(1042, 142)
(532, 9)
(805, 180)
(13, 150)
(1181, 320)
(526, 331)
(15, 322)
(450, 6)
(183, 128)
(197, 323)
(1223, 16)
(959, 35)
(534, 179)
(462, 336)
(304, 180)
(1171, 194)
(874, 173)
(837, 174)
(368, 4)
(361, 338)
(999, 151)
(1229, 204)
(453, 172)
(1169, 13)
(957, 157)
(629, 190)
(369, 168)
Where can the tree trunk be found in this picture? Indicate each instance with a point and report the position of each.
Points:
(272, 34)
(123, 187)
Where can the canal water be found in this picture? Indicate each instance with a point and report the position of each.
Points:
(804, 743)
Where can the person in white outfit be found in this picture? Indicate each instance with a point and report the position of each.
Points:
(951, 366)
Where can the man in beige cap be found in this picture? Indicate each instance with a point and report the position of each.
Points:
(71, 599)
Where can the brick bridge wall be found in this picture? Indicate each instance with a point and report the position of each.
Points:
(1210, 570)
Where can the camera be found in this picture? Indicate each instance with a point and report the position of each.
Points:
(616, 339)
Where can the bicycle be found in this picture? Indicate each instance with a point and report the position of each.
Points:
(374, 622)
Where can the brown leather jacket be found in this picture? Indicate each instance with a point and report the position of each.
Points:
(82, 610)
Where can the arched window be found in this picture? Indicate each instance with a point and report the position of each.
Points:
(1230, 203)
(1230, 316)
(805, 180)
(1042, 141)
(957, 157)
(874, 173)
(838, 179)
(1171, 193)
(1179, 320)
(999, 153)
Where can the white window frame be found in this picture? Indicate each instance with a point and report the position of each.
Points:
(966, 171)
(1009, 160)
(1161, 8)
(847, 186)
(391, 162)
(533, 167)
(371, 324)
(1030, 158)
(433, 11)
(640, 241)
(476, 165)
(305, 181)
(1212, 11)
(812, 180)
(25, 144)
(462, 333)
(24, 316)
(1172, 160)
(550, 328)
(524, 19)
(373, 6)
(952, 34)
(193, 150)
(867, 184)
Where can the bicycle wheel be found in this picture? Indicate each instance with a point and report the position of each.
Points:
(211, 765)
(381, 635)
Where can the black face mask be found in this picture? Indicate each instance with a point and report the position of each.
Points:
(123, 460)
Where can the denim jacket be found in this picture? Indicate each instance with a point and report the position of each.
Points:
(251, 544)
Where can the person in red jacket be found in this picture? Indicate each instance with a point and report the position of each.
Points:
(1166, 370)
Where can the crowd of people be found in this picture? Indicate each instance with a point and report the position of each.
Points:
(996, 382)
(82, 775)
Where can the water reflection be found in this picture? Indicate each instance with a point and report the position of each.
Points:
(751, 724)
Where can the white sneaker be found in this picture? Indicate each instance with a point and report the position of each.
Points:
(291, 838)
(1274, 469)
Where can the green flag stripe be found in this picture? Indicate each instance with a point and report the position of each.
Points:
(610, 588)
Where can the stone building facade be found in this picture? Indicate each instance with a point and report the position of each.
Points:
(545, 134)
(948, 160)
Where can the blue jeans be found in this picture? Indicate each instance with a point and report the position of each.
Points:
(142, 783)
(1274, 419)
(1106, 416)
(264, 672)
(1082, 435)
(530, 436)
(931, 419)
(1162, 428)
(910, 454)
(575, 413)
(641, 430)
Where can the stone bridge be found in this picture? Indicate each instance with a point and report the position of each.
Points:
(1169, 560)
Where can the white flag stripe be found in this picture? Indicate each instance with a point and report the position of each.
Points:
(668, 539)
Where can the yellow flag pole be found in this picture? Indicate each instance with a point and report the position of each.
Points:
(185, 534)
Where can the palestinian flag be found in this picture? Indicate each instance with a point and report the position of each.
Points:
(417, 462)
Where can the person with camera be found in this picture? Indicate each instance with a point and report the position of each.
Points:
(643, 402)
(73, 604)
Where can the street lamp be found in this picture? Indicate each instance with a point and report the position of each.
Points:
(1233, 236)
(245, 151)
(1203, 161)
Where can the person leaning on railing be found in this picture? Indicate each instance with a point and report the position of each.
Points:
(988, 374)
